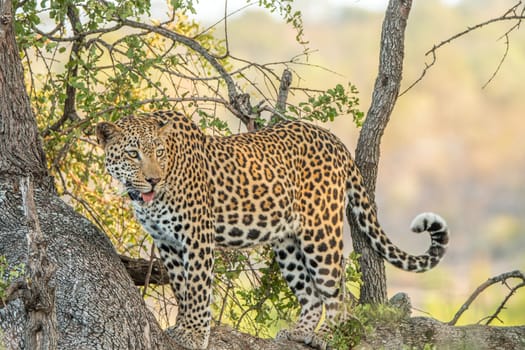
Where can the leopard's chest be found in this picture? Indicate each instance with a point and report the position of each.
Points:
(164, 227)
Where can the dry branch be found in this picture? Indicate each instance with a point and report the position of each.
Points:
(284, 89)
(512, 14)
(139, 269)
(500, 278)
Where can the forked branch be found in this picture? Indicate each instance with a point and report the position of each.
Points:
(497, 279)
(515, 13)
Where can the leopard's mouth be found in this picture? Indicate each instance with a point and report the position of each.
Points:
(141, 197)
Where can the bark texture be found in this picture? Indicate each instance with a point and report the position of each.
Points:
(20, 149)
(39, 301)
(418, 332)
(96, 304)
(386, 90)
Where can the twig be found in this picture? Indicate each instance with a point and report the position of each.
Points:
(509, 15)
(502, 305)
(150, 269)
(500, 278)
(507, 45)
(240, 102)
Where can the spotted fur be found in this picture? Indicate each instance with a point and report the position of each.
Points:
(284, 185)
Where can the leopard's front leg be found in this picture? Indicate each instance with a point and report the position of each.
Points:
(190, 271)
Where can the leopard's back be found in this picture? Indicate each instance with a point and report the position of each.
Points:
(265, 184)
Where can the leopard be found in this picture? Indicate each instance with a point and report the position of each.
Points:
(287, 185)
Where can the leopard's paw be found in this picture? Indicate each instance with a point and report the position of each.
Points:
(189, 339)
(312, 339)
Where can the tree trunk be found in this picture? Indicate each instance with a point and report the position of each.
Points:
(21, 151)
(386, 89)
(97, 305)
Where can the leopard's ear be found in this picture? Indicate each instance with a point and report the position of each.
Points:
(165, 128)
(105, 132)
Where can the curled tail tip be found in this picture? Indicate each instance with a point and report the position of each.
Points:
(428, 222)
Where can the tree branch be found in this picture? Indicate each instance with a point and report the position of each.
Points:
(239, 101)
(501, 306)
(138, 269)
(500, 278)
(70, 112)
(41, 330)
(284, 89)
(509, 15)
(384, 97)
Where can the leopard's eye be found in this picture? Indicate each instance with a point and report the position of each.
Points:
(160, 152)
(132, 154)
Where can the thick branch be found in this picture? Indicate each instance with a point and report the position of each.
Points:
(20, 150)
(41, 329)
(384, 97)
(239, 102)
(427, 333)
(138, 270)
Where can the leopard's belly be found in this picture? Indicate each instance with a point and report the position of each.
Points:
(232, 229)
(238, 230)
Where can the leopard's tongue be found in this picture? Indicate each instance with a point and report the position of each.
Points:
(148, 197)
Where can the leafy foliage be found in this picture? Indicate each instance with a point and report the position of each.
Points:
(364, 320)
(90, 61)
(330, 104)
(251, 295)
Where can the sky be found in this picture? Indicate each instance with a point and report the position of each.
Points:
(211, 10)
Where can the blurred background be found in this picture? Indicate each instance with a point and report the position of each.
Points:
(452, 146)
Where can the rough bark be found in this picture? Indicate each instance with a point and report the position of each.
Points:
(144, 271)
(386, 89)
(20, 150)
(97, 305)
(418, 332)
(39, 302)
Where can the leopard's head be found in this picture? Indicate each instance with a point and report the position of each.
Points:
(136, 155)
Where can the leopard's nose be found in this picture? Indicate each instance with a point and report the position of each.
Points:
(153, 180)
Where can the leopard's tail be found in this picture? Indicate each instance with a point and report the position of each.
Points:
(366, 218)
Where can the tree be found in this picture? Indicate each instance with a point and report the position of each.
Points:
(385, 94)
(87, 299)
(71, 244)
